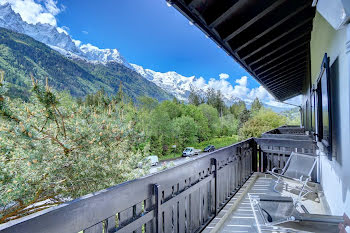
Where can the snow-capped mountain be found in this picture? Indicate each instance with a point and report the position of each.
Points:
(57, 38)
(44, 33)
(172, 82)
(179, 85)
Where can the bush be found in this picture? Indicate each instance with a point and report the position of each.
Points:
(262, 121)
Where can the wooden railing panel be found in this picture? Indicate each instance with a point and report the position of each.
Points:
(184, 202)
(111, 224)
(275, 152)
(150, 226)
(98, 228)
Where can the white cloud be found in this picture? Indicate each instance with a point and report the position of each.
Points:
(51, 7)
(34, 12)
(85, 32)
(224, 76)
(168, 4)
(241, 90)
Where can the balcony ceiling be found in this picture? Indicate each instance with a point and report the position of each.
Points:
(269, 38)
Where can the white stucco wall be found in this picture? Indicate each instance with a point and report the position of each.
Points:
(335, 174)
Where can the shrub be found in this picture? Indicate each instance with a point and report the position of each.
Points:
(262, 121)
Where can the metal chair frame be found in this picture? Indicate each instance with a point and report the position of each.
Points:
(302, 180)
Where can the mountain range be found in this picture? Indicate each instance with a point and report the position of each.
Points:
(84, 67)
(37, 49)
(171, 82)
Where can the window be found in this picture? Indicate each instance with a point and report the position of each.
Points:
(312, 106)
(307, 117)
(324, 129)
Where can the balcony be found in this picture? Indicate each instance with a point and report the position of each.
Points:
(192, 197)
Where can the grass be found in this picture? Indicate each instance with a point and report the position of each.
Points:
(218, 142)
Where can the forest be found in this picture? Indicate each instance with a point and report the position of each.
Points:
(55, 147)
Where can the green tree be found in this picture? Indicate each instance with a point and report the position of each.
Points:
(256, 106)
(237, 108)
(229, 125)
(262, 121)
(194, 98)
(54, 149)
(212, 116)
(185, 130)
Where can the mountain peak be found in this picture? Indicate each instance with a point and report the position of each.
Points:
(57, 39)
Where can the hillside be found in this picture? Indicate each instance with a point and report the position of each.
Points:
(21, 55)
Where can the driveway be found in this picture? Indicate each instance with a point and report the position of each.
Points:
(175, 162)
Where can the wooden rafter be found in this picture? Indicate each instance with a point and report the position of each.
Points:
(279, 37)
(272, 27)
(255, 19)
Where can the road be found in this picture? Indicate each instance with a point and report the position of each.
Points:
(175, 162)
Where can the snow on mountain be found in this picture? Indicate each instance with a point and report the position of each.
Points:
(180, 86)
(93, 53)
(44, 33)
(57, 38)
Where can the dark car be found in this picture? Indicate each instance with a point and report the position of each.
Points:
(209, 148)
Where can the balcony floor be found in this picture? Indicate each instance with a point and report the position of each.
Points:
(237, 215)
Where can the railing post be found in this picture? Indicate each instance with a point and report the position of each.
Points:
(215, 163)
(255, 156)
(157, 208)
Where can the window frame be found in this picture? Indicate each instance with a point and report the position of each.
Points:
(327, 143)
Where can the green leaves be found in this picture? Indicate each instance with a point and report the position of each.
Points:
(52, 149)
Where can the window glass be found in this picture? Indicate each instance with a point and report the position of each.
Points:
(325, 107)
(312, 111)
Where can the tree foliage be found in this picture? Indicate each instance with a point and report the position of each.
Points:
(53, 149)
(262, 121)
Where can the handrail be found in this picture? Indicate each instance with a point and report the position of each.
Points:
(184, 199)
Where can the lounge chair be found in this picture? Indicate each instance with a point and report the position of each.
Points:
(298, 168)
(279, 214)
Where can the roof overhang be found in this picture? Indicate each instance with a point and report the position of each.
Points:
(269, 38)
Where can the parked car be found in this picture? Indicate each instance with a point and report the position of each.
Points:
(152, 160)
(209, 148)
(190, 151)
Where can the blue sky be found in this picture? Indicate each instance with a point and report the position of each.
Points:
(150, 34)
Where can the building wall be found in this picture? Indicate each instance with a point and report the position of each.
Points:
(335, 174)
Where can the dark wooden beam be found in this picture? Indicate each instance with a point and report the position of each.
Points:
(192, 3)
(283, 93)
(279, 37)
(226, 14)
(281, 47)
(295, 56)
(287, 65)
(297, 11)
(287, 76)
(255, 19)
(284, 71)
(279, 79)
(296, 78)
(282, 57)
(288, 89)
